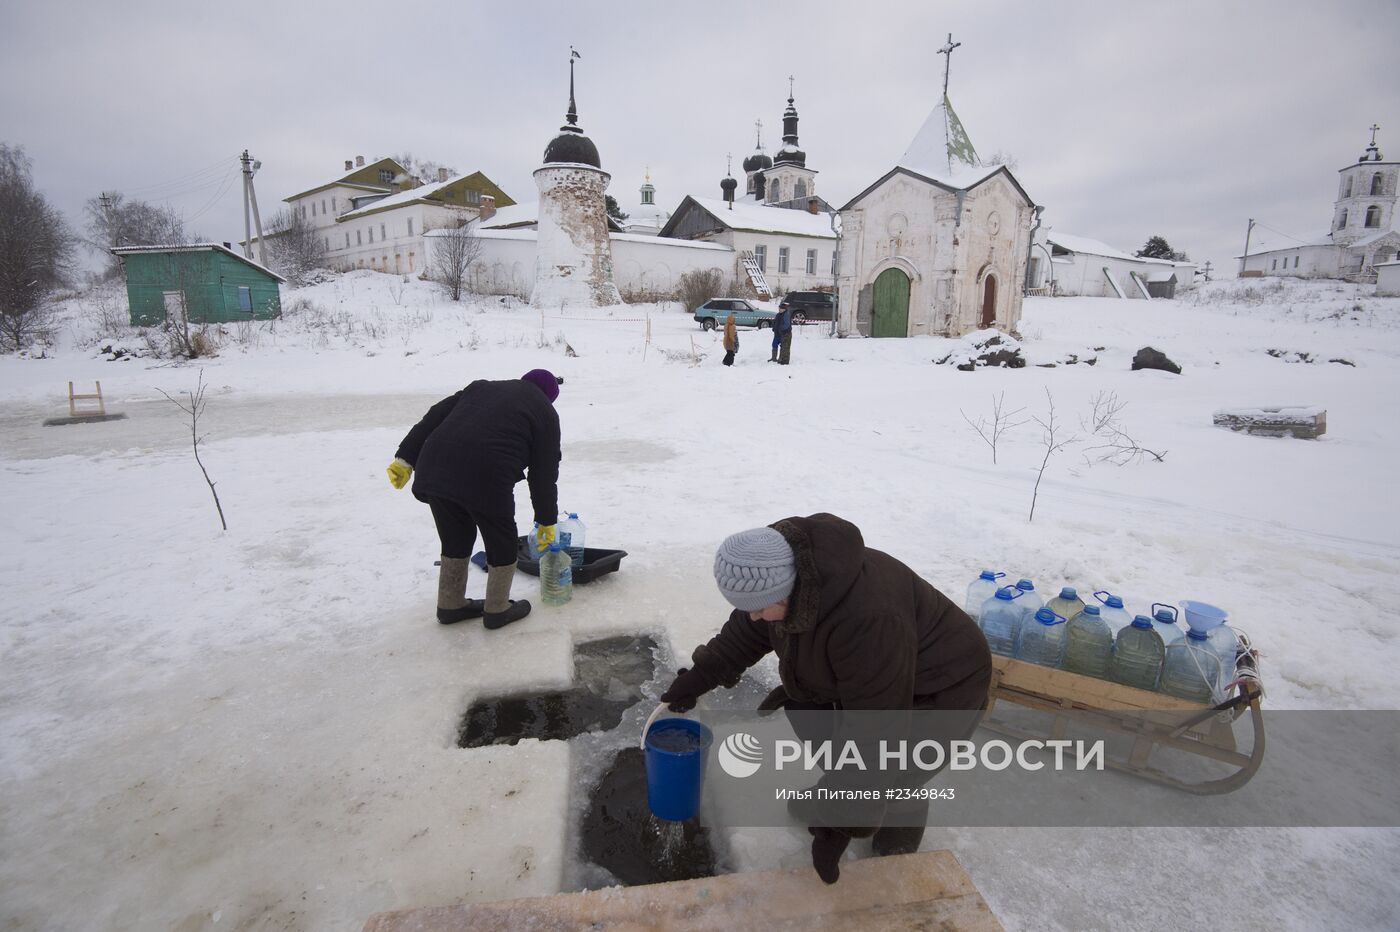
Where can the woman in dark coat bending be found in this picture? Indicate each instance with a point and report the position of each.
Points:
(469, 451)
(854, 629)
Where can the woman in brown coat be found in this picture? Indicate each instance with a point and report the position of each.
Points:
(853, 628)
(731, 340)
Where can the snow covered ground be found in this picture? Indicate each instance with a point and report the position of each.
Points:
(256, 729)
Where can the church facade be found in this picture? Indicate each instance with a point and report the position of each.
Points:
(1363, 232)
(938, 245)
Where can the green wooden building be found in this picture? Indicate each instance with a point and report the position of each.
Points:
(209, 281)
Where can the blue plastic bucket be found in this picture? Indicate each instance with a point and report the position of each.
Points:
(1202, 616)
(676, 751)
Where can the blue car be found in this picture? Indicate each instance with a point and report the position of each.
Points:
(712, 313)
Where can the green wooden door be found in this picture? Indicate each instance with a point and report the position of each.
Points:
(889, 315)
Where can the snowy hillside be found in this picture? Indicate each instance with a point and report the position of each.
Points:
(256, 729)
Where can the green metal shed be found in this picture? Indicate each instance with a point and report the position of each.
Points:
(211, 282)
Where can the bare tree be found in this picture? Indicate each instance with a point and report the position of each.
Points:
(36, 250)
(698, 286)
(1002, 422)
(453, 251)
(424, 170)
(194, 407)
(1115, 445)
(1053, 437)
(112, 220)
(294, 248)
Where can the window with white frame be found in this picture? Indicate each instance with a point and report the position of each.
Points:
(811, 262)
(473, 196)
(347, 239)
(1271, 268)
(313, 208)
(1376, 183)
(323, 206)
(1342, 219)
(760, 255)
(782, 260)
(303, 211)
(386, 176)
(773, 186)
(1347, 192)
(799, 189)
(1373, 216)
(333, 204)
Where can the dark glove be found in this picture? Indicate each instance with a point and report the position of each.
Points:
(775, 700)
(828, 844)
(688, 686)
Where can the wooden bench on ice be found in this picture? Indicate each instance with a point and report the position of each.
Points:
(85, 408)
(1300, 421)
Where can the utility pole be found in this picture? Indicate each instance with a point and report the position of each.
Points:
(105, 200)
(257, 221)
(1245, 260)
(247, 220)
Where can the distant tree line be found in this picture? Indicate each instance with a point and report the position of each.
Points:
(1158, 248)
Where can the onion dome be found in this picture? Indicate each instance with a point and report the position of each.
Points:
(571, 145)
(789, 154)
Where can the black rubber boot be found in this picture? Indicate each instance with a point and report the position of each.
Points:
(516, 611)
(898, 839)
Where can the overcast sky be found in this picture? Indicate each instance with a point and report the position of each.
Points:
(1183, 119)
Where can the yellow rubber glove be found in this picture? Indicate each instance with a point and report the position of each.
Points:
(544, 537)
(399, 471)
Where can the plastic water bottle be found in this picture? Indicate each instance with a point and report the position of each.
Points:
(571, 534)
(1223, 640)
(556, 576)
(1138, 655)
(1001, 621)
(982, 589)
(1043, 639)
(1067, 604)
(1192, 669)
(1113, 611)
(1088, 643)
(1164, 621)
(1031, 601)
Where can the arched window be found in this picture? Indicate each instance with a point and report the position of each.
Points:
(1376, 183)
(1342, 219)
(1347, 192)
(773, 187)
(1373, 216)
(800, 189)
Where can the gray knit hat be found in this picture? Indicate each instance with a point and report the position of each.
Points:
(755, 568)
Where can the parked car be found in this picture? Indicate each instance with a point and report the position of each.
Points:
(809, 305)
(712, 313)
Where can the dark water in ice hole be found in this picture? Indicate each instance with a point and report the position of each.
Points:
(620, 834)
(608, 674)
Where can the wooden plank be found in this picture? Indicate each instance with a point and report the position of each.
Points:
(928, 890)
(1080, 690)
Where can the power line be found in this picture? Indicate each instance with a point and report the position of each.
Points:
(1282, 233)
(192, 177)
(228, 182)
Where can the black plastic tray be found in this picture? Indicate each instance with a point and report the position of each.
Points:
(596, 562)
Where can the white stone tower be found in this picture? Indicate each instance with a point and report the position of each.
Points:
(1365, 205)
(573, 262)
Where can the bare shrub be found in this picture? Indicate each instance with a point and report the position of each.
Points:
(1002, 422)
(452, 253)
(1054, 440)
(698, 286)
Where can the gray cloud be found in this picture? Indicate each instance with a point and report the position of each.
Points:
(1127, 120)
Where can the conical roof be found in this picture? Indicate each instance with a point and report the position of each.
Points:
(941, 150)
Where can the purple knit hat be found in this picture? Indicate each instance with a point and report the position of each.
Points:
(545, 380)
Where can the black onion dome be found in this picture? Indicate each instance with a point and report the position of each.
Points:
(757, 162)
(791, 155)
(728, 185)
(572, 146)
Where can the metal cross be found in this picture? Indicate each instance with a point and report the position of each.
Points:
(728, 163)
(789, 87)
(948, 63)
(1374, 128)
(758, 133)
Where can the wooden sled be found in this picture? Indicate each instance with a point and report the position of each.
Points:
(1172, 725)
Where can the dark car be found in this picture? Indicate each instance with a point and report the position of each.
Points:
(809, 305)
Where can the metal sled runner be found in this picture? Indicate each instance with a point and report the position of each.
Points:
(1147, 721)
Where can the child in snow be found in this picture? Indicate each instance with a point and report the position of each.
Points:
(854, 629)
(469, 451)
(731, 340)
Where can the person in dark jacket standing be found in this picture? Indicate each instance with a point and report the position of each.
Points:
(854, 629)
(782, 337)
(468, 452)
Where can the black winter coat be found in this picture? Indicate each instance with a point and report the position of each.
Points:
(782, 322)
(862, 630)
(473, 447)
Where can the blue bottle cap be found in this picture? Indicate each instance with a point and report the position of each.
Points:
(1142, 621)
(1113, 601)
(554, 546)
(1004, 593)
(1165, 617)
(1047, 617)
(574, 515)
(1195, 635)
(1025, 585)
(1068, 594)
(1092, 610)
(988, 575)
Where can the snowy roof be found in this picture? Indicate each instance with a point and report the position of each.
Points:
(514, 215)
(754, 217)
(652, 215)
(401, 198)
(1368, 240)
(1264, 240)
(526, 234)
(1092, 247)
(942, 151)
(196, 247)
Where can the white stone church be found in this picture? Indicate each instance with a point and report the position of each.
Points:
(1363, 233)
